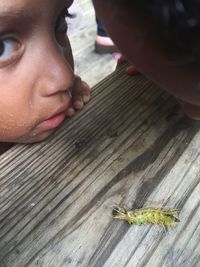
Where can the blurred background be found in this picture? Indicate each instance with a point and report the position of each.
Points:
(91, 66)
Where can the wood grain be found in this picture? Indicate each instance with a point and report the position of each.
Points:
(131, 145)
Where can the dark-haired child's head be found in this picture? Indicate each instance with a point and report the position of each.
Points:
(179, 24)
(36, 68)
(162, 40)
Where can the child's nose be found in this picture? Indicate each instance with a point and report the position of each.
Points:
(57, 73)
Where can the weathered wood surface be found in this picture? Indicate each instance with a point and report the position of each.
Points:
(132, 145)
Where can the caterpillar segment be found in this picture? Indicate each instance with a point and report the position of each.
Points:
(162, 217)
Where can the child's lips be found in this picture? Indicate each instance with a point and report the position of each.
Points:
(52, 122)
(55, 120)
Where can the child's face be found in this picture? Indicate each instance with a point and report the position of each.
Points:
(36, 68)
(138, 39)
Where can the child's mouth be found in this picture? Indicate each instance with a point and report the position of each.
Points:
(52, 122)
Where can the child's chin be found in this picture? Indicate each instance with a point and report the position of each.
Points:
(41, 137)
(34, 137)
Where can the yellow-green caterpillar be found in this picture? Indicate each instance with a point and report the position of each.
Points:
(165, 218)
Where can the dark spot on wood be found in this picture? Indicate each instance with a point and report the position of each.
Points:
(67, 260)
(112, 133)
(80, 144)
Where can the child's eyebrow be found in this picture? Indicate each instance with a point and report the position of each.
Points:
(7, 16)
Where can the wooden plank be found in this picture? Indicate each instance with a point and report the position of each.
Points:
(131, 144)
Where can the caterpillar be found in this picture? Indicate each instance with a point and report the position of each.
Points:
(162, 217)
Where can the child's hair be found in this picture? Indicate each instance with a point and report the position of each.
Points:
(179, 22)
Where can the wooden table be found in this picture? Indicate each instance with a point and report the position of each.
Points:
(131, 145)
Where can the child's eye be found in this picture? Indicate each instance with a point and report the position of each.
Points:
(61, 23)
(8, 47)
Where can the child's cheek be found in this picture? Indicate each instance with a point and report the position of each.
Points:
(11, 131)
(68, 53)
(64, 42)
(20, 132)
(16, 121)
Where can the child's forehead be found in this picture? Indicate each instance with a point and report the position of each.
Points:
(13, 5)
(18, 6)
(13, 11)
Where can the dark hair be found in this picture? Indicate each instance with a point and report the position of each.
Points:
(179, 22)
